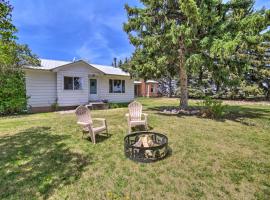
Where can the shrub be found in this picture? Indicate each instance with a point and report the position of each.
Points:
(55, 105)
(252, 90)
(12, 93)
(212, 108)
(118, 105)
(195, 93)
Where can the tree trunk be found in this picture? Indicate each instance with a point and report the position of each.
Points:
(218, 87)
(268, 96)
(183, 76)
(170, 87)
(200, 75)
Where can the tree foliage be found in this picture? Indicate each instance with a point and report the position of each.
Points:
(182, 36)
(13, 57)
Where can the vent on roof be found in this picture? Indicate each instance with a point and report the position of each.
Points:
(74, 59)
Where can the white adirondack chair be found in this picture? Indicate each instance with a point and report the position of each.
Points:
(134, 117)
(84, 119)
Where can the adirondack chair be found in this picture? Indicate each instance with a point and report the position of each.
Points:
(84, 119)
(134, 117)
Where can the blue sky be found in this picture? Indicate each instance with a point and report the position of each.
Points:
(88, 29)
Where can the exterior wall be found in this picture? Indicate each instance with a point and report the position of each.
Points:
(78, 97)
(144, 87)
(103, 89)
(155, 89)
(73, 97)
(46, 87)
(40, 88)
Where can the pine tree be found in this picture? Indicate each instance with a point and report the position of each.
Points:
(114, 62)
(191, 34)
(126, 60)
(120, 63)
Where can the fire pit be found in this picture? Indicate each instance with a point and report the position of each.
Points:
(145, 146)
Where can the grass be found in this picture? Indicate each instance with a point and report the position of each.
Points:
(44, 157)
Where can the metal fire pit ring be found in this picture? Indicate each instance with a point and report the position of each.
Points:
(146, 154)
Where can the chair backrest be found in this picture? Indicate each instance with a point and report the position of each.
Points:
(83, 114)
(135, 110)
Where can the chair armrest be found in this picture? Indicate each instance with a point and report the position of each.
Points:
(83, 123)
(103, 120)
(145, 116)
(128, 116)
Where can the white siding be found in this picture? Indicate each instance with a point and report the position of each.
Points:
(74, 97)
(103, 89)
(40, 87)
(44, 87)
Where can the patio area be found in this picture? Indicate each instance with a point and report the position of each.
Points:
(44, 156)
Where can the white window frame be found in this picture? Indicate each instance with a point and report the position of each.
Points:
(123, 89)
(73, 77)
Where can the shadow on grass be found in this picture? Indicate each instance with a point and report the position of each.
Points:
(100, 138)
(232, 112)
(141, 128)
(35, 162)
(240, 113)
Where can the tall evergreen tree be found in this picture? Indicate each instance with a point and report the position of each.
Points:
(120, 63)
(114, 62)
(189, 34)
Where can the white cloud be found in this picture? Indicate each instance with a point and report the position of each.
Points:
(96, 49)
(63, 25)
(93, 48)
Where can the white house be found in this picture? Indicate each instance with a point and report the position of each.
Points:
(71, 84)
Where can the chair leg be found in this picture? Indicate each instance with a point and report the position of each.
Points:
(107, 132)
(93, 137)
(146, 127)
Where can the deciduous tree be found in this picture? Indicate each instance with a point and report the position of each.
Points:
(13, 57)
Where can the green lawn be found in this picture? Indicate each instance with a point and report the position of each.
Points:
(43, 156)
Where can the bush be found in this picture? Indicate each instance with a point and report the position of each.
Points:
(195, 93)
(12, 93)
(118, 105)
(252, 90)
(55, 106)
(212, 108)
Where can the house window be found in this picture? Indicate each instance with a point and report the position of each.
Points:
(72, 83)
(116, 86)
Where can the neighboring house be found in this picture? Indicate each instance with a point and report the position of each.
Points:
(71, 84)
(146, 88)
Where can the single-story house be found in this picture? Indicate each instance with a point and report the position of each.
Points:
(147, 88)
(70, 84)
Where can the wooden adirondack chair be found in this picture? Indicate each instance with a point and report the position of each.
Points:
(84, 119)
(134, 117)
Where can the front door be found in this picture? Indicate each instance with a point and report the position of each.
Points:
(93, 90)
